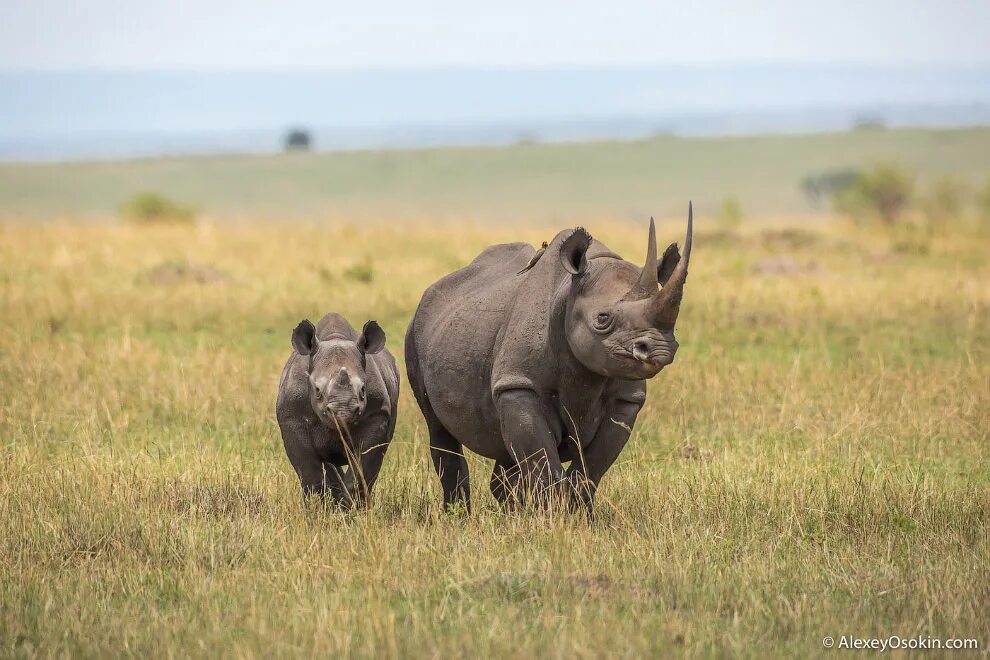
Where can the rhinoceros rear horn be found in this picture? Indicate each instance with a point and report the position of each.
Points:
(646, 286)
(647, 283)
(668, 302)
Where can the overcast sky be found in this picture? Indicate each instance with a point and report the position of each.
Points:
(250, 34)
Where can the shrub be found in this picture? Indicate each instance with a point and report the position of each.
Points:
(869, 123)
(149, 207)
(361, 272)
(730, 213)
(884, 190)
(852, 201)
(298, 139)
(829, 184)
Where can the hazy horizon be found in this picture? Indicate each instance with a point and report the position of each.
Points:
(121, 79)
(112, 114)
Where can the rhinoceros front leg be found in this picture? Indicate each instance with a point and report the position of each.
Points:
(338, 485)
(587, 469)
(298, 441)
(373, 439)
(349, 481)
(530, 443)
(502, 483)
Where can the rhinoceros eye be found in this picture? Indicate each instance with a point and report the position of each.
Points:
(603, 320)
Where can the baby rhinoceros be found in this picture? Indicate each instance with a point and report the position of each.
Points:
(336, 407)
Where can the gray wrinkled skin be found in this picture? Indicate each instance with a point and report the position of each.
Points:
(336, 407)
(536, 360)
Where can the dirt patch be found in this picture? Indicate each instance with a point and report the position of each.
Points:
(514, 586)
(719, 237)
(180, 272)
(692, 453)
(211, 500)
(791, 238)
(784, 266)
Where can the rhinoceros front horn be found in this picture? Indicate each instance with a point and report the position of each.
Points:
(668, 302)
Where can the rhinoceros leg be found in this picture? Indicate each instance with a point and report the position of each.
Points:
(586, 471)
(371, 465)
(445, 450)
(503, 482)
(530, 442)
(448, 460)
(310, 472)
(362, 473)
(339, 485)
(298, 441)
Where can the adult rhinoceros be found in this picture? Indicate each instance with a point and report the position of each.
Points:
(537, 359)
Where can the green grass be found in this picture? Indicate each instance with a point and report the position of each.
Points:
(815, 463)
(564, 183)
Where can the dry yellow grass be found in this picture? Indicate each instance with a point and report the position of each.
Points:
(815, 463)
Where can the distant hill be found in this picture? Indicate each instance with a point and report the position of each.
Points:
(564, 183)
(80, 115)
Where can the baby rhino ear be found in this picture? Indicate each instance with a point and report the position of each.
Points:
(304, 338)
(372, 338)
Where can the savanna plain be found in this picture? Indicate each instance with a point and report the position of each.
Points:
(815, 462)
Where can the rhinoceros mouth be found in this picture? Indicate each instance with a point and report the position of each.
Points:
(644, 366)
(657, 362)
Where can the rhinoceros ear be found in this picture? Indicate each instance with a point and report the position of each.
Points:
(372, 338)
(670, 258)
(304, 338)
(573, 250)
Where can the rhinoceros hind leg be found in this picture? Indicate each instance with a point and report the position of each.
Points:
(451, 466)
(504, 479)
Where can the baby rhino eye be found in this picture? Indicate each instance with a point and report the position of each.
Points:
(603, 319)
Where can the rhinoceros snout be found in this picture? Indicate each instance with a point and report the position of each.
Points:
(654, 352)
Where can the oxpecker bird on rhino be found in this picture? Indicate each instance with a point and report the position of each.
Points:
(537, 360)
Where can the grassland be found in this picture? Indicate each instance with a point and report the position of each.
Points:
(557, 184)
(815, 463)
